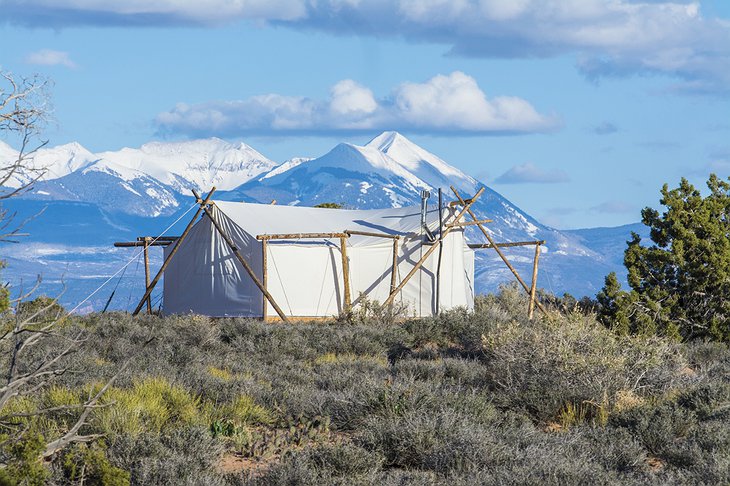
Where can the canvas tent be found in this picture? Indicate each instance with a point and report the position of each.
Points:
(304, 273)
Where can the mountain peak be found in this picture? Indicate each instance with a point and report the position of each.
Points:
(419, 161)
(386, 139)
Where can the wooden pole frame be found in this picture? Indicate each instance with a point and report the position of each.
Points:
(147, 240)
(184, 234)
(345, 274)
(468, 223)
(394, 270)
(431, 249)
(242, 260)
(368, 233)
(478, 246)
(467, 206)
(301, 236)
(533, 286)
(264, 276)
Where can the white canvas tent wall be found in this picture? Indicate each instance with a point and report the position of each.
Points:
(305, 276)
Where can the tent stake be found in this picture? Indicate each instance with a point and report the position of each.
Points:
(345, 273)
(418, 265)
(496, 248)
(173, 251)
(246, 266)
(533, 287)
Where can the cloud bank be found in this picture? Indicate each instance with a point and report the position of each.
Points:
(607, 37)
(531, 174)
(443, 105)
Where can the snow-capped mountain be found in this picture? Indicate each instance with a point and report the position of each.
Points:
(51, 163)
(198, 164)
(359, 177)
(389, 171)
(149, 181)
(421, 163)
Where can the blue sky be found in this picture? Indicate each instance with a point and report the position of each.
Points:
(576, 110)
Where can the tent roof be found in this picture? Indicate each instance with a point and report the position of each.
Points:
(259, 219)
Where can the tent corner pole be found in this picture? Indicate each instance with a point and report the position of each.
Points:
(246, 265)
(345, 274)
(148, 292)
(264, 275)
(533, 287)
(496, 248)
(147, 240)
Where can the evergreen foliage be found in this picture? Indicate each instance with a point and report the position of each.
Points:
(680, 285)
(329, 205)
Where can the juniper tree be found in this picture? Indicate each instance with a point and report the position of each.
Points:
(680, 283)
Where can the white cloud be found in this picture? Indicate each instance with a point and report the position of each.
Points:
(445, 104)
(49, 57)
(529, 173)
(350, 98)
(608, 37)
(455, 100)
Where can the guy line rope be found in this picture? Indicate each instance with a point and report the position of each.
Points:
(131, 260)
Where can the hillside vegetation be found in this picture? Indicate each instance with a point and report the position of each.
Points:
(466, 398)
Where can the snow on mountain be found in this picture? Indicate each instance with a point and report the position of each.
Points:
(62, 160)
(148, 181)
(112, 188)
(361, 177)
(197, 164)
(285, 166)
(53, 162)
(7, 153)
(421, 163)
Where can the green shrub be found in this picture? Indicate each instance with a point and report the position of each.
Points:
(90, 465)
(151, 405)
(20, 455)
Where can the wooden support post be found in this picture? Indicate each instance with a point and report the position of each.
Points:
(469, 223)
(370, 233)
(246, 265)
(147, 240)
(301, 236)
(173, 251)
(345, 273)
(431, 249)
(394, 272)
(477, 246)
(264, 274)
(496, 248)
(533, 287)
